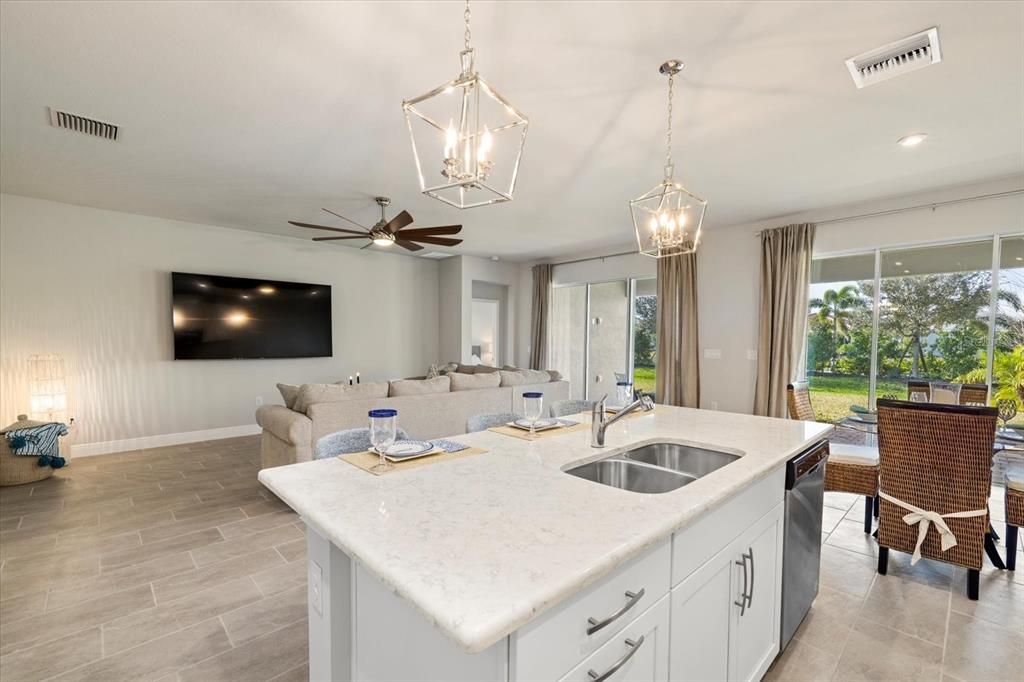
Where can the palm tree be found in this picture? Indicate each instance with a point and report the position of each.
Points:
(835, 309)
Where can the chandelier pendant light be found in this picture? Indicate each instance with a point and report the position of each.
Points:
(467, 139)
(668, 218)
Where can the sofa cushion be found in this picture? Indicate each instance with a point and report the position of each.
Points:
(524, 376)
(332, 393)
(289, 393)
(419, 386)
(472, 382)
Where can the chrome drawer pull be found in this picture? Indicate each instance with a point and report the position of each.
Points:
(750, 595)
(633, 598)
(633, 648)
(742, 601)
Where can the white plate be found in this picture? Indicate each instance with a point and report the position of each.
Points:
(409, 449)
(1009, 434)
(542, 424)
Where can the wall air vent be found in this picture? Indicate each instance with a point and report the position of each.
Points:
(83, 124)
(895, 59)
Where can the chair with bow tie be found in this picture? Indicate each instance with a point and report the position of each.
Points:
(934, 482)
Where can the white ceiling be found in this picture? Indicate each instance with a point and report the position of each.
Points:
(251, 114)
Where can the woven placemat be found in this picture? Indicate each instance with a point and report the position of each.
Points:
(366, 460)
(546, 433)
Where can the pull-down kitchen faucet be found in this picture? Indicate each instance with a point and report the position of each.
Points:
(598, 424)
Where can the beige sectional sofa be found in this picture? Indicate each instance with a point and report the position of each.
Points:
(290, 436)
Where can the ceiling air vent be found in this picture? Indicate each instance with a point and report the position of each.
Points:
(895, 59)
(82, 124)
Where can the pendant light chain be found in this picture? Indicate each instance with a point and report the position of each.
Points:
(668, 136)
(466, 16)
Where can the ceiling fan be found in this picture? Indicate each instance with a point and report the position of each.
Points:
(387, 232)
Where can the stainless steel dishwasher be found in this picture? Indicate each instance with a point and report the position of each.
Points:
(801, 554)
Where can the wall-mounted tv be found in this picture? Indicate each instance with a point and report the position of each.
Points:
(218, 318)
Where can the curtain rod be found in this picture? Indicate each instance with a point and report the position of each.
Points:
(932, 205)
(585, 260)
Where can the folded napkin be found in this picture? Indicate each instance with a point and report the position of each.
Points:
(449, 445)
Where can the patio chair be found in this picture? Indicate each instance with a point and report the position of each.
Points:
(482, 422)
(934, 481)
(974, 394)
(348, 441)
(922, 387)
(561, 408)
(850, 468)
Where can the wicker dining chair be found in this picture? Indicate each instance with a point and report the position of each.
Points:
(1014, 515)
(850, 468)
(936, 459)
(970, 394)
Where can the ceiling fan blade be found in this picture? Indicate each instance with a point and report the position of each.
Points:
(409, 246)
(432, 231)
(398, 222)
(440, 241)
(324, 227)
(329, 239)
(366, 247)
(338, 215)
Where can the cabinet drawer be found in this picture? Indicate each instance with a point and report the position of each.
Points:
(551, 645)
(695, 544)
(637, 653)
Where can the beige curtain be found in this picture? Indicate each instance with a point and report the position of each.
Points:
(540, 311)
(785, 283)
(678, 377)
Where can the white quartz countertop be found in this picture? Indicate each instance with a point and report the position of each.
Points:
(483, 544)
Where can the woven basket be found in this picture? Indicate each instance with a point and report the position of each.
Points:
(20, 469)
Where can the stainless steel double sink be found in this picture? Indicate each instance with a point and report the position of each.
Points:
(654, 467)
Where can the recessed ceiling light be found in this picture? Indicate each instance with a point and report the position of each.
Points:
(1019, 258)
(912, 140)
(906, 272)
(494, 258)
(898, 263)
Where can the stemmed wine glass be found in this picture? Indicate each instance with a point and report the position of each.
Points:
(533, 406)
(383, 431)
(1007, 411)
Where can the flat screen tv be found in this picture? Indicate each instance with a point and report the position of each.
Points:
(218, 318)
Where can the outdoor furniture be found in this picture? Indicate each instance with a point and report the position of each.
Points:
(561, 408)
(850, 468)
(347, 441)
(482, 422)
(934, 482)
(922, 387)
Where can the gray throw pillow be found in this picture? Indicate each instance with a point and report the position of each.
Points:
(289, 393)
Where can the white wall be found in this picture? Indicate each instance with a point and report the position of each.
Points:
(728, 268)
(94, 286)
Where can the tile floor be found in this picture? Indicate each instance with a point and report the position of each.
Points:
(915, 623)
(176, 564)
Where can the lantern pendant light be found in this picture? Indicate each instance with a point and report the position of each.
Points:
(467, 139)
(668, 218)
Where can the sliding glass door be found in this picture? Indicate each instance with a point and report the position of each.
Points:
(948, 312)
(602, 333)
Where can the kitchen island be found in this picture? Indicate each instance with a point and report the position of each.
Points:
(500, 565)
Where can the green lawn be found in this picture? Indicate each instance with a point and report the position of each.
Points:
(832, 396)
(643, 379)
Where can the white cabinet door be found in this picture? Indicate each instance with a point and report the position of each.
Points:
(638, 653)
(700, 622)
(754, 630)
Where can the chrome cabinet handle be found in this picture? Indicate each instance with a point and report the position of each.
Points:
(633, 648)
(742, 601)
(750, 595)
(633, 598)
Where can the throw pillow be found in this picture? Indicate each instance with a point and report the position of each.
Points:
(448, 368)
(472, 382)
(465, 369)
(554, 374)
(419, 387)
(433, 372)
(535, 376)
(289, 393)
(485, 369)
(310, 394)
(512, 378)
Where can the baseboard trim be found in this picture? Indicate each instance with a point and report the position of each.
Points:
(162, 440)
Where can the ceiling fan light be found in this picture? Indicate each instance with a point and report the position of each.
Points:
(383, 241)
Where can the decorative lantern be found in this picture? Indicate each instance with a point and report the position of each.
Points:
(668, 218)
(466, 138)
